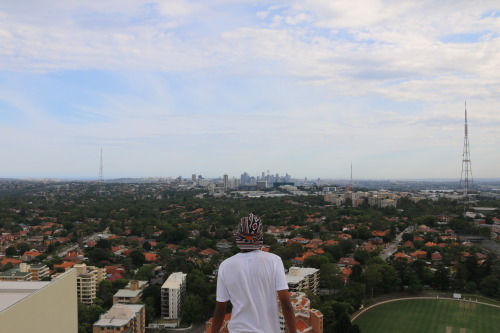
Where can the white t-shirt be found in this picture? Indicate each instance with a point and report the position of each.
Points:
(250, 281)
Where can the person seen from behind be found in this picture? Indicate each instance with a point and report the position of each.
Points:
(250, 280)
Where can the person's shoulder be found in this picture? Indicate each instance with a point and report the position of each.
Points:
(228, 260)
(269, 255)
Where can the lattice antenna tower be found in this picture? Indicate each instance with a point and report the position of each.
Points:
(466, 179)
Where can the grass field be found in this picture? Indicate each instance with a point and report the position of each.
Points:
(430, 316)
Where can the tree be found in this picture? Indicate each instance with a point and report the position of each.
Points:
(329, 275)
(23, 247)
(441, 278)
(192, 309)
(146, 246)
(414, 285)
(196, 283)
(87, 315)
(145, 273)
(353, 293)
(315, 261)
(138, 258)
(490, 286)
(105, 292)
(11, 251)
(362, 256)
(328, 316)
(99, 254)
(103, 244)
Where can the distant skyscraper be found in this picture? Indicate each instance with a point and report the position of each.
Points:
(226, 181)
(193, 178)
(466, 179)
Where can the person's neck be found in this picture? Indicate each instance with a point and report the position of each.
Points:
(247, 250)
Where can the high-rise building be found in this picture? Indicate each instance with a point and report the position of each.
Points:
(300, 279)
(261, 184)
(172, 295)
(87, 282)
(40, 306)
(226, 181)
(122, 318)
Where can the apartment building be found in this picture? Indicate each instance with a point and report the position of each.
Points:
(172, 294)
(122, 318)
(18, 273)
(300, 279)
(132, 293)
(87, 282)
(39, 306)
(307, 319)
(38, 272)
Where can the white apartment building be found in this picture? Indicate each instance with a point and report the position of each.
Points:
(122, 318)
(87, 282)
(172, 294)
(300, 279)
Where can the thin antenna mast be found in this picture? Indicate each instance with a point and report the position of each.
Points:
(101, 177)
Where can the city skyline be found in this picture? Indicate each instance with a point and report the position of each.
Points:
(299, 87)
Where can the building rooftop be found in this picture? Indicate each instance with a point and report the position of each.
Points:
(119, 315)
(127, 293)
(15, 291)
(174, 280)
(297, 274)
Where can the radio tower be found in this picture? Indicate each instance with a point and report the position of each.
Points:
(101, 178)
(466, 165)
(351, 184)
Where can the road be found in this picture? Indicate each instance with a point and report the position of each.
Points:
(92, 237)
(392, 247)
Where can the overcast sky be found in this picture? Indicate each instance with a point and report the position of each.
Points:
(304, 87)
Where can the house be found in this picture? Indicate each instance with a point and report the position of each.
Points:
(30, 255)
(208, 252)
(419, 254)
(65, 265)
(400, 256)
(436, 256)
(347, 262)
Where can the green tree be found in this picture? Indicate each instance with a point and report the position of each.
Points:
(192, 309)
(11, 251)
(442, 278)
(138, 258)
(490, 286)
(145, 273)
(87, 315)
(330, 276)
(23, 247)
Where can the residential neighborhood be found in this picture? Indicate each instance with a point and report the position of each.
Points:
(158, 246)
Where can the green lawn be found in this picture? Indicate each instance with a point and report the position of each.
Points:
(430, 316)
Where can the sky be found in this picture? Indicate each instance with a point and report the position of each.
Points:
(213, 87)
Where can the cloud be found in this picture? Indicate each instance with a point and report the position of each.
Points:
(224, 81)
